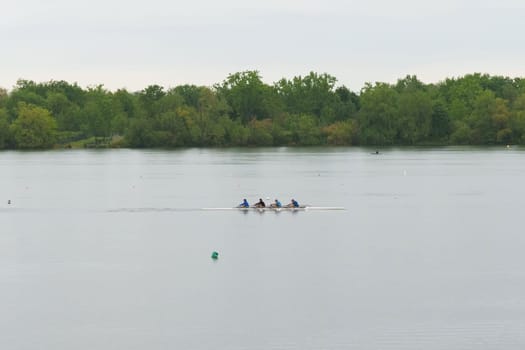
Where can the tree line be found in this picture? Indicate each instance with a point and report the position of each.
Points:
(242, 110)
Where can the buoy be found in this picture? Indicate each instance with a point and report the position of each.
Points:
(215, 255)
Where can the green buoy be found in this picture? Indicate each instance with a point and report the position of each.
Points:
(215, 255)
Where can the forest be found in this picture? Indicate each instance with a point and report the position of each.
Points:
(242, 110)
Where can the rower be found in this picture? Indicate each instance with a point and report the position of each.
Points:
(260, 204)
(244, 204)
(293, 204)
(276, 204)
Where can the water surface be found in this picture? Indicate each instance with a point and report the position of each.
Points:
(109, 250)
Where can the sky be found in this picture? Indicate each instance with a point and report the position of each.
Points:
(132, 44)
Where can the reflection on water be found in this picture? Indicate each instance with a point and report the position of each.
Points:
(111, 249)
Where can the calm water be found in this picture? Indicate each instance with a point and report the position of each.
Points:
(107, 250)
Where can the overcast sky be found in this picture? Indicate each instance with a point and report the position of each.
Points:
(128, 44)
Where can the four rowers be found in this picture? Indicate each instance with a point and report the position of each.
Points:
(276, 204)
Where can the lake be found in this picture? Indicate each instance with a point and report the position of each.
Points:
(110, 249)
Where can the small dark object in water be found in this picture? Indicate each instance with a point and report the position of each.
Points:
(9, 201)
(215, 255)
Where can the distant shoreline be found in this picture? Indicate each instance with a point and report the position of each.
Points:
(242, 111)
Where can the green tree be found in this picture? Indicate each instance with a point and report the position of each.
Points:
(261, 132)
(440, 125)
(236, 134)
(189, 93)
(149, 100)
(205, 120)
(462, 133)
(140, 133)
(517, 119)
(73, 92)
(465, 89)
(66, 113)
(124, 107)
(347, 104)
(174, 123)
(4, 96)
(97, 112)
(304, 130)
(125, 103)
(34, 127)
(414, 117)
(247, 96)
(490, 120)
(340, 133)
(377, 117)
(5, 133)
(23, 96)
(312, 94)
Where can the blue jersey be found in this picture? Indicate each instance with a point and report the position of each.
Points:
(244, 204)
(278, 204)
(295, 204)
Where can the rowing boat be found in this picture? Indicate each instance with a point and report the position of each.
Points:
(301, 208)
